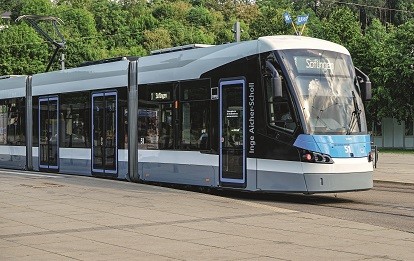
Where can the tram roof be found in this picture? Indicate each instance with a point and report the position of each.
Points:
(168, 66)
(12, 86)
(97, 76)
(288, 42)
(192, 63)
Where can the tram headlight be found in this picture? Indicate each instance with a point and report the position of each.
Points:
(316, 157)
(308, 157)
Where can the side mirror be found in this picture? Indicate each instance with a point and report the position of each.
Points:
(366, 91)
(276, 86)
(275, 81)
(365, 84)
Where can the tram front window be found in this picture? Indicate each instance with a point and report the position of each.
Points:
(325, 82)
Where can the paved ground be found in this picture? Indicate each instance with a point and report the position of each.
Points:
(44, 217)
(395, 167)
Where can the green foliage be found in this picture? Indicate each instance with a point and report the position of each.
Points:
(381, 42)
(400, 62)
(34, 7)
(8, 5)
(133, 51)
(145, 22)
(406, 13)
(157, 39)
(371, 56)
(396, 151)
(270, 22)
(342, 27)
(75, 3)
(178, 32)
(201, 36)
(200, 16)
(22, 51)
(109, 16)
(163, 11)
(78, 21)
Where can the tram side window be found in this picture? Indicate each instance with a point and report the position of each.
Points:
(122, 118)
(195, 115)
(35, 120)
(155, 117)
(12, 122)
(74, 120)
(280, 114)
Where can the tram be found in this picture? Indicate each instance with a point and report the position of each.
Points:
(276, 114)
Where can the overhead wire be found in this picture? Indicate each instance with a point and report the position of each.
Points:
(376, 7)
(385, 13)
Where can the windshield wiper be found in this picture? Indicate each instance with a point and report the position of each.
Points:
(355, 118)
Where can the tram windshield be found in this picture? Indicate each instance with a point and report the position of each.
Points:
(326, 85)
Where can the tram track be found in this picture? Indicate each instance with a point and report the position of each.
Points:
(388, 204)
(373, 211)
(394, 187)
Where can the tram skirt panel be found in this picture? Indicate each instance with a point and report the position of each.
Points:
(280, 176)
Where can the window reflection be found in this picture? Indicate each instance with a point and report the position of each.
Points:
(155, 130)
(174, 115)
(155, 117)
(195, 114)
(326, 84)
(74, 120)
(195, 125)
(280, 109)
(12, 122)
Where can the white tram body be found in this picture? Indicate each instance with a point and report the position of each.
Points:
(277, 114)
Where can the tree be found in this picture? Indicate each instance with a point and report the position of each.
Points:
(22, 51)
(83, 42)
(371, 57)
(33, 7)
(157, 39)
(342, 27)
(8, 5)
(199, 16)
(400, 75)
(80, 4)
(110, 22)
(270, 22)
(406, 13)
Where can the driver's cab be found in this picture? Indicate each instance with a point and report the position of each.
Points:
(279, 103)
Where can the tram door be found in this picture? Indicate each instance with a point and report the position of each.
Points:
(232, 144)
(49, 133)
(104, 133)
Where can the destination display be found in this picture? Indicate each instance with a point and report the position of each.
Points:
(160, 96)
(317, 65)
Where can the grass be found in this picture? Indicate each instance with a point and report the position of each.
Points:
(394, 150)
